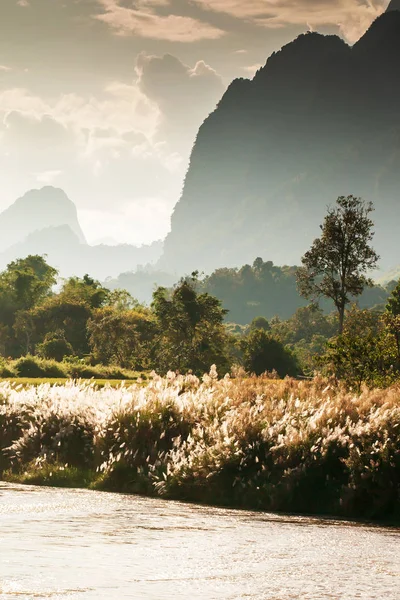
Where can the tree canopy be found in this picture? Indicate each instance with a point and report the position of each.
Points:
(337, 264)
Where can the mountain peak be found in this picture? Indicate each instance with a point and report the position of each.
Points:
(319, 120)
(394, 5)
(35, 211)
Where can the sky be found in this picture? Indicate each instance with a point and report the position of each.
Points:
(104, 98)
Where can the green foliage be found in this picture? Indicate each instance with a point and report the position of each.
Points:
(122, 337)
(30, 369)
(270, 291)
(58, 313)
(260, 323)
(87, 331)
(31, 366)
(6, 369)
(364, 352)
(55, 346)
(52, 475)
(251, 291)
(306, 323)
(264, 354)
(336, 265)
(306, 334)
(122, 300)
(25, 283)
(393, 304)
(28, 281)
(191, 332)
(86, 291)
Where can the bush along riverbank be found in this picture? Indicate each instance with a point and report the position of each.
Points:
(306, 447)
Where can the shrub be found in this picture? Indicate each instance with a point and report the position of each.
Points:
(55, 346)
(262, 353)
(6, 369)
(81, 370)
(31, 366)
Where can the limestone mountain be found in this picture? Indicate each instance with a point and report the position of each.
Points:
(394, 5)
(321, 119)
(35, 211)
(64, 251)
(45, 222)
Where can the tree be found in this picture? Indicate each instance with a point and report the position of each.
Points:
(25, 283)
(122, 337)
(191, 331)
(55, 346)
(86, 290)
(28, 281)
(363, 352)
(57, 313)
(336, 265)
(122, 300)
(260, 323)
(306, 322)
(393, 304)
(392, 319)
(262, 353)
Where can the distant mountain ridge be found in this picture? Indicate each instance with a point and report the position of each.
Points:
(46, 222)
(320, 120)
(37, 210)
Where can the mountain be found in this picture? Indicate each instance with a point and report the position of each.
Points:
(45, 222)
(321, 119)
(64, 251)
(37, 210)
(394, 5)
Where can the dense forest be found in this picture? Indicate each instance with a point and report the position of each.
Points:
(260, 288)
(248, 317)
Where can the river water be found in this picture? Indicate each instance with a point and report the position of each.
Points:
(86, 545)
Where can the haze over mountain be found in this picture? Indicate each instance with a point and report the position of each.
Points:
(45, 222)
(321, 119)
(37, 210)
(103, 98)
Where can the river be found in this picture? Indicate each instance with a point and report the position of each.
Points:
(87, 545)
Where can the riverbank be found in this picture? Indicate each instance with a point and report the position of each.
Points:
(303, 447)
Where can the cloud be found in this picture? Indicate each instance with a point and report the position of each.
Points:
(42, 139)
(185, 95)
(22, 100)
(126, 222)
(48, 177)
(101, 152)
(143, 20)
(352, 17)
(126, 146)
(5, 69)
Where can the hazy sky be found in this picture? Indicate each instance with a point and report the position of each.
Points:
(104, 97)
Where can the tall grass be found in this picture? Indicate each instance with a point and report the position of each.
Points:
(309, 447)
